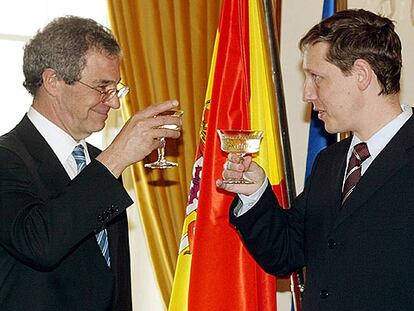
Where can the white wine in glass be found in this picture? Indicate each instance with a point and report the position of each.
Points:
(161, 162)
(240, 142)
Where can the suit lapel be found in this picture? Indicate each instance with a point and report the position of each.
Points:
(52, 175)
(390, 160)
(51, 171)
(336, 175)
(93, 151)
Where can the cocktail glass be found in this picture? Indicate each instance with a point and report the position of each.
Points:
(241, 142)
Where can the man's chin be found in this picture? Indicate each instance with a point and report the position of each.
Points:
(99, 121)
(97, 127)
(330, 129)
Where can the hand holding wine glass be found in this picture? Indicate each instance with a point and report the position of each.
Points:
(140, 136)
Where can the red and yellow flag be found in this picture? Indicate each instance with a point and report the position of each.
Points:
(214, 269)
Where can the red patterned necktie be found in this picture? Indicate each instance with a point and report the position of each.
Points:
(359, 154)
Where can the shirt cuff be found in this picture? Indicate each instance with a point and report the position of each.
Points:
(246, 202)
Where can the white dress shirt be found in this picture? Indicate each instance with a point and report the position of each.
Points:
(376, 143)
(61, 142)
(380, 139)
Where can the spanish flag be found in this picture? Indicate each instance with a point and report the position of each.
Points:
(214, 270)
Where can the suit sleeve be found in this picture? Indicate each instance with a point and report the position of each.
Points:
(275, 236)
(41, 231)
(272, 235)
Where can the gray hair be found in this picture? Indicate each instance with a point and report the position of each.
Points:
(62, 45)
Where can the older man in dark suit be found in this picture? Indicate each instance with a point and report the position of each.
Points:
(353, 225)
(63, 225)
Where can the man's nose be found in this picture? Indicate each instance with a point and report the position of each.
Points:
(309, 91)
(114, 102)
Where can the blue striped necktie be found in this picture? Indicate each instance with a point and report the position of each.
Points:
(102, 236)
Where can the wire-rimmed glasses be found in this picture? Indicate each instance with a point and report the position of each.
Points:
(120, 91)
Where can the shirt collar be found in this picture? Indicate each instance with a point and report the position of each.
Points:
(61, 142)
(381, 138)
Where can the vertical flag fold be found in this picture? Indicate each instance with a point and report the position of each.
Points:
(214, 270)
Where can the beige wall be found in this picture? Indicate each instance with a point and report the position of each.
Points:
(297, 17)
(402, 12)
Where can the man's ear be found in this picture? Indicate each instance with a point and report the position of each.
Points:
(51, 81)
(363, 74)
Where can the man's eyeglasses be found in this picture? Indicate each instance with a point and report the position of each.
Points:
(108, 95)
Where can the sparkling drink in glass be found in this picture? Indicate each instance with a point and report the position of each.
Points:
(240, 142)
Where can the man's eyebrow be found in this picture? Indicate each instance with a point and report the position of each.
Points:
(311, 70)
(106, 82)
(307, 70)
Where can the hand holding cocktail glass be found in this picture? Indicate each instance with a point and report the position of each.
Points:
(240, 142)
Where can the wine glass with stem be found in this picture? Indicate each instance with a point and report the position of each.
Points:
(162, 162)
(240, 142)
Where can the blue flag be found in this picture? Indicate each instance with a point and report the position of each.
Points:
(328, 8)
(318, 137)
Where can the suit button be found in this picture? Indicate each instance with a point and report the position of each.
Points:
(331, 244)
(100, 218)
(106, 215)
(323, 294)
(115, 208)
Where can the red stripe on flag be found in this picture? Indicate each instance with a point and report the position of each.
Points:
(280, 191)
(223, 274)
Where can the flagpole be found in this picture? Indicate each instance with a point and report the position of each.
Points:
(280, 98)
(296, 278)
(341, 5)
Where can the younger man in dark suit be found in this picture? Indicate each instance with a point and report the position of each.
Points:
(63, 226)
(353, 234)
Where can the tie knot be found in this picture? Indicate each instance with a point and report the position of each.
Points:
(361, 152)
(78, 154)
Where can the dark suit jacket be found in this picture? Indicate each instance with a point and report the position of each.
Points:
(49, 256)
(358, 257)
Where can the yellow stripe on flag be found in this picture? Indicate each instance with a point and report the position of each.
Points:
(181, 284)
(179, 294)
(262, 105)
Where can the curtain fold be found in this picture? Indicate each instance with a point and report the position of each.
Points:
(167, 48)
